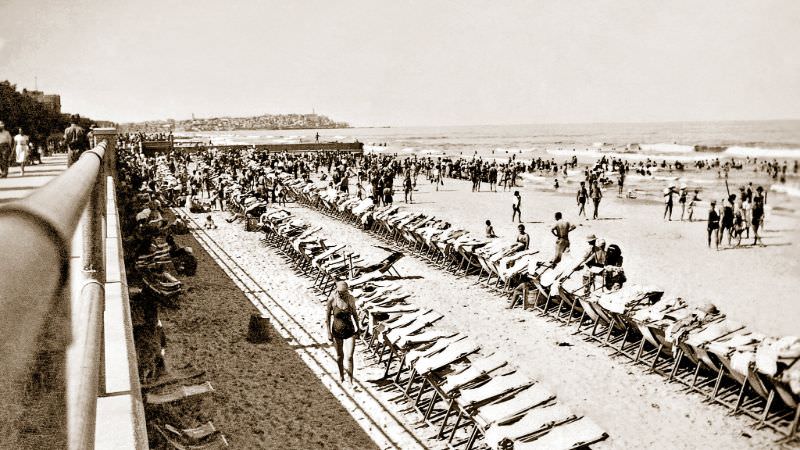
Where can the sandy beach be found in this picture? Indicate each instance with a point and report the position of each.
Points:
(637, 409)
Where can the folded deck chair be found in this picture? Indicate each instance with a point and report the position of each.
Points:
(580, 433)
(215, 441)
(453, 352)
(535, 421)
(496, 387)
(429, 335)
(412, 356)
(507, 408)
(192, 434)
(179, 393)
(473, 371)
(423, 321)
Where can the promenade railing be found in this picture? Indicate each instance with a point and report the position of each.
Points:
(66, 342)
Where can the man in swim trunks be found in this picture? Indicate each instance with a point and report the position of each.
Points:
(561, 231)
(516, 207)
(523, 239)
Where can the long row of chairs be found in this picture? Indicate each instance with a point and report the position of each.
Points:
(466, 396)
(696, 345)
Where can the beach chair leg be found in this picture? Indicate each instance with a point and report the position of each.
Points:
(639, 352)
(767, 407)
(571, 311)
(421, 390)
(447, 413)
(717, 384)
(410, 380)
(546, 304)
(399, 370)
(455, 427)
(472, 438)
(580, 321)
(389, 362)
(739, 399)
(674, 366)
(432, 403)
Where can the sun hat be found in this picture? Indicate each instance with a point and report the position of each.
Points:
(591, 238)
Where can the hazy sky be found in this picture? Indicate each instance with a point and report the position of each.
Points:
(410, 62)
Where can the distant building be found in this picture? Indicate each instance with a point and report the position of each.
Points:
(51, 101)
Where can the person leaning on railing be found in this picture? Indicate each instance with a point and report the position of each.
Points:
(76, 140)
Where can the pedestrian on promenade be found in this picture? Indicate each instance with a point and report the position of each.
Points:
(6, 142)
(21, 150)
(561, 231)
(75, 137)
(342, 326)
(516, 207)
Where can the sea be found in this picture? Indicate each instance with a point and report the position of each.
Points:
(672, 140)
(658, 142)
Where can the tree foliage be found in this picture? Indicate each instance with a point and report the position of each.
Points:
(35, 119)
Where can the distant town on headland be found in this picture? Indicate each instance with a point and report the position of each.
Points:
(263, 122)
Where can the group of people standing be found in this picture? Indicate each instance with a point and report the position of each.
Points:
(736, 216)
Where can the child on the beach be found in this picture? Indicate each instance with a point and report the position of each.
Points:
(210, 225)
(695, 199)
(490, 230)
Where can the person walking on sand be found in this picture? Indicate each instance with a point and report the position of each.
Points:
(516, 210)
(682, 201)
(757, 215)
(21, 150)
(668, 201)
(342, 325)
(692, 203)
(713, 224)
(6, 142)
(408, 188)
(316, 138)
(581, 199)
(726, 219)
(561, 231)
(596, 195)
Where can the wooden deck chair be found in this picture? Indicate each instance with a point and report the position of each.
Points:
(506, 408)
(217, 441)
(534, 421)
(580, 433)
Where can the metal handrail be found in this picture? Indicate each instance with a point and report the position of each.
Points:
(35, 238)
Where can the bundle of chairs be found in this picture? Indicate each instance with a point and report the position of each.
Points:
(438, 372)
(697, 346)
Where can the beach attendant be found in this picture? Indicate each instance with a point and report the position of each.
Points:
(342, 326)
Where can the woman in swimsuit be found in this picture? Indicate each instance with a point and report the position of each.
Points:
(342, 325)
(516, 210)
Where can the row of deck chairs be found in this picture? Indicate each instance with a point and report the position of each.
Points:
(467, 397)
(698, 347)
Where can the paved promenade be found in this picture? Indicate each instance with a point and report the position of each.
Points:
(16, 186)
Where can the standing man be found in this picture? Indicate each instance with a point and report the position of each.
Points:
(581, 199)
(5, 149)
(516, 207)
(75, 137)
(713, 224)
(561, 231)
(597, 195)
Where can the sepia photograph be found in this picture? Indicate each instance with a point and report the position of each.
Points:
(445, 225)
